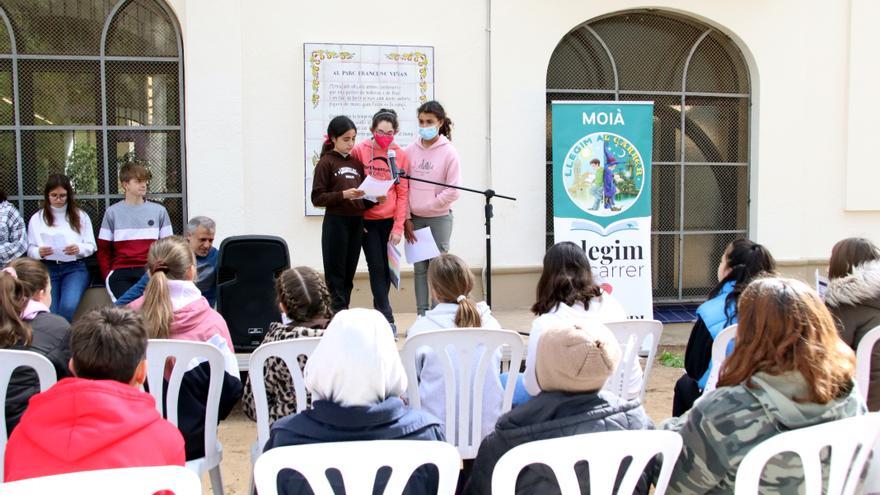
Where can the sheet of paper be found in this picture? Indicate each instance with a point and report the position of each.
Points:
(423, 249)
(394, 264)
(821, 284)
(374, 187)
(57, 242)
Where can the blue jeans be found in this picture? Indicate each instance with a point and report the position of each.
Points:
(69, 281)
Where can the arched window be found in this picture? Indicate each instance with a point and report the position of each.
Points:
(86, 85)
(699, 83)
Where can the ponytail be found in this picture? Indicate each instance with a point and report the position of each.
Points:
(157, 310)
(452, 281)
(169, 259)
(746, 260)
(467, 315)
(12, 302)
(435, 108)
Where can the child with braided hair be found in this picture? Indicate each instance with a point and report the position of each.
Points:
(304, 302)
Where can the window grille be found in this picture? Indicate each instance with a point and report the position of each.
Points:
(86, 85)
(699, 83)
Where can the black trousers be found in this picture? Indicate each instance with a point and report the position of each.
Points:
(376, 233)
(686, 393)
(123, 278)
(341, 247)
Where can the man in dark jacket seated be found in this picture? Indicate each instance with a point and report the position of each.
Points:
(572, 365)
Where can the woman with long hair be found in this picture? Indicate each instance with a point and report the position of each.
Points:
(789, 370)
(61, 216)
(742, 261)
(174, 308)
(567, 294)
(853, 296)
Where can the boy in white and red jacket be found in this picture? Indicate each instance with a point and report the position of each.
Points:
(100, 419)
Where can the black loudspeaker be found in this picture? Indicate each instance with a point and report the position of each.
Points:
(247, 267)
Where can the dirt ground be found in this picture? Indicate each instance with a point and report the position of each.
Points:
(237, 433)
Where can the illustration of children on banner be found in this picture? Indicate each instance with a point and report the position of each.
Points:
(615, 176)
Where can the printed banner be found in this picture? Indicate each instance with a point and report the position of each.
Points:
(602, 193)
(358, 80)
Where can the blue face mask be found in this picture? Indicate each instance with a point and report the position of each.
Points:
(428, 133)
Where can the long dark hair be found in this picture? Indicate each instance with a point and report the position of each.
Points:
(2, 195)
(338, 126)
(434, 107)
(850, 253)
(566, 278)
(304, 295)
(746, 260)
(54, 182)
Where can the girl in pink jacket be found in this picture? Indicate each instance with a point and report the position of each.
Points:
(431, 157)
(383, 223)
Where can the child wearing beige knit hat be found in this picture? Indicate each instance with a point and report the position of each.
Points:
(577, 358)
(572, 364)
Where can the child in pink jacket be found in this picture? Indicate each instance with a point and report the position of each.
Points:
(431, 157)
(383, 222)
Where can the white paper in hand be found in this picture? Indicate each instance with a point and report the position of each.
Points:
(57, 242)
(423, 249)
(375, 188)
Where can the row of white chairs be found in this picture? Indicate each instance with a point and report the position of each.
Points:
(850, 441)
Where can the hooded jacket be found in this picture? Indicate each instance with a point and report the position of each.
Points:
(554, 415)
(854, 300)
(331, 422)
(375, 160)
(82, 425)
(604, 308)
(196, 321)
(50, 336)
(439, 163)
(725, 424)
(429, 368)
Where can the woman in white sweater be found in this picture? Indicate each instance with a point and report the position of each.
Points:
(450, 281)
(566, 293)
(61, 223)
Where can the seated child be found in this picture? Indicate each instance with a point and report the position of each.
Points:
(174, 308)
(100, 419)
(451, 281)
(571, 365)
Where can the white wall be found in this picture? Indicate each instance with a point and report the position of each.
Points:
(798, 50)
(244, 77)
(244, 109)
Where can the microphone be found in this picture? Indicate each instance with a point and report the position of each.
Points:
(392, 165)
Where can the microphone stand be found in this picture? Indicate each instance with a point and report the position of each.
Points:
(487, 211)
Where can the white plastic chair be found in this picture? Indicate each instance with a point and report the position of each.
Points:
(465, 433)
(850, 439)
(288, 351)
(604, 453)
(183, 352)
(358, 463)
(863, 360)
(719, 355)
(133, 481)
(632, 335)
(9, 361)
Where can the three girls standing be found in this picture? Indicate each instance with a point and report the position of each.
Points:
(352, 221)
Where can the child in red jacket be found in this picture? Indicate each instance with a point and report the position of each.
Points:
(100, 419)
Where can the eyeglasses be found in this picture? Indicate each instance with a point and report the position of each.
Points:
(383, 133)
(58, 196)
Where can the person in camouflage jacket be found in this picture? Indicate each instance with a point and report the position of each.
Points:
(788, 371)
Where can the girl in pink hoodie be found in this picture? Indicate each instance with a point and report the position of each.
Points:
(174, 308)
(431, 157)
(383, 222)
